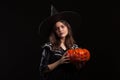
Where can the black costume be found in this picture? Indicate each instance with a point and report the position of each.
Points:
(63, 71)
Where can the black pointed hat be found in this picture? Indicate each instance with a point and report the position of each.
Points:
(73, 18)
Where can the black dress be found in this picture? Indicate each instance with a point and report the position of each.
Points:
(62, 72)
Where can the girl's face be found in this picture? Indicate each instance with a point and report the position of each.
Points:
(61, 29)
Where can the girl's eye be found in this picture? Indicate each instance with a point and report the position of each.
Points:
(62, 26)
(56, 29)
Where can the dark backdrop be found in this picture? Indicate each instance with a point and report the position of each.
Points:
(20, 52)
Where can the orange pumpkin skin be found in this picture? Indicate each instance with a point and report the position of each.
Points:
(78, 54)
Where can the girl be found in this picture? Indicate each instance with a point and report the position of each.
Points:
(55, 65)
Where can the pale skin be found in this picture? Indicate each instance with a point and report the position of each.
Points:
(62, 31)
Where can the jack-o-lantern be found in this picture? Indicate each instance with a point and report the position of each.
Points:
(78, 54)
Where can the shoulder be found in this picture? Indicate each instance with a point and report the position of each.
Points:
(47, 45)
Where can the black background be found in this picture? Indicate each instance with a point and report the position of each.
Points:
(20, 42)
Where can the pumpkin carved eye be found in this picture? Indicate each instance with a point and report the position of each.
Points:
(78, 54)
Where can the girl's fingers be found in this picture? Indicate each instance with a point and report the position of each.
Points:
(64, 54)
(67, 56)
(66, 59)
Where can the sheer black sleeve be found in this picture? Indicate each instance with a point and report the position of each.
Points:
(44, 61)
(44, 58)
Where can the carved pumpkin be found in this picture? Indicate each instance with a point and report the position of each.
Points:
(78, 54)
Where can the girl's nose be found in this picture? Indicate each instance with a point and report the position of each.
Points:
(60, 29)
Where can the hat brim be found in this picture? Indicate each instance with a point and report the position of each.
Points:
(73, 18)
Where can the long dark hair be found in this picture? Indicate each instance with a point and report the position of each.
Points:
(55, 40)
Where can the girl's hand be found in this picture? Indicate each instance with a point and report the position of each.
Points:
(64, 59)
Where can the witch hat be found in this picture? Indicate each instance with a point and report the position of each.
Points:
(73, 18)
